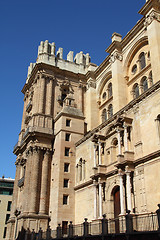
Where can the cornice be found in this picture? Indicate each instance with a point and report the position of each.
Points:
(147, 158)
(102, 66)
(149, 5)
(129, 36)
(42, 67)
(114, 46)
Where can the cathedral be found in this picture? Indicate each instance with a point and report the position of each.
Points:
(90, 136)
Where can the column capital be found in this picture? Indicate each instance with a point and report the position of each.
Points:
(47, 151)
(17, 162)
(120, 172)
(118, 129)
(125, 125)
(95, 145)
(36, 149)
(29, 151)
(127, 170)
(100, 180)
(94, 182)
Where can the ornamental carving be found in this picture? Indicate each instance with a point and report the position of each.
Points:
(149, 19)
(91, 83)
(115, 56)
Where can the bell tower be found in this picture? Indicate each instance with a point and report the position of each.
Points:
(53, 120)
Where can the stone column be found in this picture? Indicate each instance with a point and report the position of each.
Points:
(157, 120)
(99, 153)
(42, 93)
(79, 171)
(83, 169)
(49, 93)
(27, 180)
(100, 198)
(80, 94)
(77, 180)
(44, 183)
(120, 174)
(35, 98)
(150, 81)
(128, 188)
(95, 198)
(15, 189)
(125, 138)
(95, 160)
(34, 180)
(119, 142)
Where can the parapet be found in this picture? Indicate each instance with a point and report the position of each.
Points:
(47, 54)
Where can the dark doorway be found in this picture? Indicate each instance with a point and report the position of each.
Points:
(116, 208)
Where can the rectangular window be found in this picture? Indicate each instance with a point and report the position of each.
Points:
(66, 167)
(67, 137)
(68, 122)
(4, 233)
(65, 199)
(9, 206)
(64, 227)
(7, 218)
(67, 151)
(65, 183)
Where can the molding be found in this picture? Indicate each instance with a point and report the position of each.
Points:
(82, 185)
(120, 112)
(147, 158)
(56, 71)
(107, 101)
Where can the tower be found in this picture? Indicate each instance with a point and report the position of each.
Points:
(53, 120)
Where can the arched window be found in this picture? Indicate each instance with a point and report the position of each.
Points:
(104, 95)
(134, 69)
(150, 78)
(135, 90)
(142, 60)
(144, 84)
(110, 110)
(109, 90)
(104, 115)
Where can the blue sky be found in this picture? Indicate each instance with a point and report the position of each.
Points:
(85, 25)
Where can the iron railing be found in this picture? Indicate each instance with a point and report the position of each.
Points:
(124, 224)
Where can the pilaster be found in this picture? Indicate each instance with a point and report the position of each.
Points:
(45, 180)
(42, 81)
(34, 190)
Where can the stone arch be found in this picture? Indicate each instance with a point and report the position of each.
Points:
(110, 196)
(135, 90)
(103, 81)
(135, 48)
(144, 83)
(104, 115)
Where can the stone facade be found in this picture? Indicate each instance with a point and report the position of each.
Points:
(90, 137)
